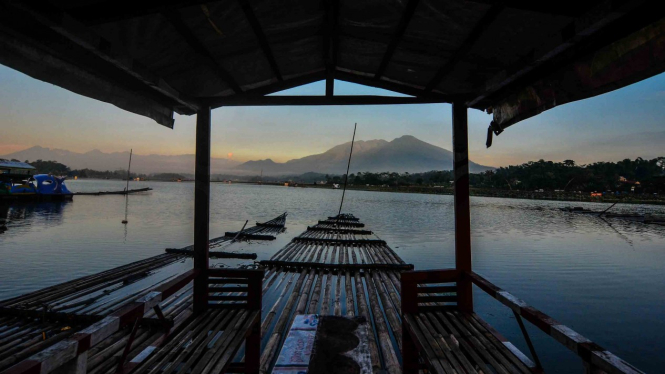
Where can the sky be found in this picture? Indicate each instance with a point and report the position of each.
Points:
(626, 123)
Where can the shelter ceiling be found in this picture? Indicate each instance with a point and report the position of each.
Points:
(194, 53)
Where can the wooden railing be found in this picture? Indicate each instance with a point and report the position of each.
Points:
(235, 288)
(71, 355)
(418, 298)
(596, 358)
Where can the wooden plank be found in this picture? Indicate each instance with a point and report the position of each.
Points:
(574, 39)
(261, 37)
(201, 50)
(422, 342)
(437, 289)
(445, 339)
(202, 208)
(468, 43)
(431, 276)
(340, 267)
(300, 239)
(462, 205)
(407, 14)
(305, 100)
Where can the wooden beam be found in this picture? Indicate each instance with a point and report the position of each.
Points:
(545, 7)
(466, 46)
(391, 86)
(201, 51)
(606, 22)
(319, 100)
(202, 209)
(98, 12)
(407, 14)
(216, 102)
(59, 35)
(462, 212)
(330, 43)
(260, 36)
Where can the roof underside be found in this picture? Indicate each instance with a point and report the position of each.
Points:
(511, 57)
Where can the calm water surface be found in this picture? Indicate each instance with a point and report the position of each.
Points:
(604, 279)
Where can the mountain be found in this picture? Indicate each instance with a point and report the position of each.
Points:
(404, 154)
(98, 160)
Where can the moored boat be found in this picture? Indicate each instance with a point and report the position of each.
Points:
(40, 187)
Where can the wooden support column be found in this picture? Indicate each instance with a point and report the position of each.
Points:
(462, 212)
(202, 209)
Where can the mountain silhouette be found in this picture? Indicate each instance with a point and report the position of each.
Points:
(404, 154)
(98, 160)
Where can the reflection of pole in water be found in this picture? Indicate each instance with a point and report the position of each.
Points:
(4, 213)
(622, 236)
(124, 221)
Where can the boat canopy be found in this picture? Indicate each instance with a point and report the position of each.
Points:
(15, 167)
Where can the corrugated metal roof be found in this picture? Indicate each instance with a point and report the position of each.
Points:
(6, 164)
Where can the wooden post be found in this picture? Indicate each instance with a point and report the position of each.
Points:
(202, 209)
(409, 306)
(462, 213)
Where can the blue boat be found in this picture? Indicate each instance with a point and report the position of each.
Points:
(17, 182)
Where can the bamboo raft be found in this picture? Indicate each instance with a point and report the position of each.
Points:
(339, 271)
(347, 278)
(123, 192)
(262, 231)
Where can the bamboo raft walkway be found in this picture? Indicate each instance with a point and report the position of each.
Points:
(262, 231)
(332, 268)
(35, 321)
(123, 192)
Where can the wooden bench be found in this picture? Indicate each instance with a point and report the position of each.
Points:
(209, 342)
(446, 339)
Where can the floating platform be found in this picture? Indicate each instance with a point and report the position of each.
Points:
(262, 231)
(123, 192)
(348, 275)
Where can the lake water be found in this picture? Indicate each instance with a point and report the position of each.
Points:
(604, 279)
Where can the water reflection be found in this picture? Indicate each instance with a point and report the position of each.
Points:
(20, 214)
(585, 271)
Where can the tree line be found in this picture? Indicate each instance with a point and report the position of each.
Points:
(57, 168)
(639, 175)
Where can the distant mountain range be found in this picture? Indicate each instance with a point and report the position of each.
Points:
(98, 160)
(404, 154)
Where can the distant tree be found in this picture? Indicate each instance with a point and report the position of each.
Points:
(50, 167)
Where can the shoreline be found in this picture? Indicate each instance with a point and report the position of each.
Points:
(504, 194)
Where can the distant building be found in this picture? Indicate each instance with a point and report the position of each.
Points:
(16, 168)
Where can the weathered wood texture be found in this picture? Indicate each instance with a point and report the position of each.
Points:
(450, 339)
(303, 277)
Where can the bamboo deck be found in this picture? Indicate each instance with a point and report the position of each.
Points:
(333, 268)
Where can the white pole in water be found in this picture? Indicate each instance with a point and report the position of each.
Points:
(128, 168)
(124, 221)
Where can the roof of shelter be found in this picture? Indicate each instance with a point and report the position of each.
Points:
(6, 164)
(512, 58)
